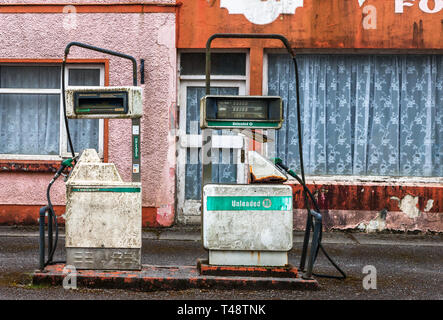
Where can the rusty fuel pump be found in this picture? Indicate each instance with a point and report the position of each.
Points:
(234, 230)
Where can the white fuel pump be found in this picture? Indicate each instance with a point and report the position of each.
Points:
(103, 213)
(245, 224)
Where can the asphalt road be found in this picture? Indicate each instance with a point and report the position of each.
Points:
(407, 266)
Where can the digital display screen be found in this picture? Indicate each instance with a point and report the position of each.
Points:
(242, 109)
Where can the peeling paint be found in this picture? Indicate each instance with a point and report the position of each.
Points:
(28, 166)
(429, 205)
(106, 219)
(408, 205)
(165, 215)
(377, 224)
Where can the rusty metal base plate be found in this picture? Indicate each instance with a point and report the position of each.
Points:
(205, 268)
(152, 278)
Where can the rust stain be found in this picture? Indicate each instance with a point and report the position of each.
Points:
(251, 271)
(268, 179)
(148, 279)
(29, 166)
(417, 36)
(372, 197)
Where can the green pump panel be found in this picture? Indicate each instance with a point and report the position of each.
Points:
(104, 102)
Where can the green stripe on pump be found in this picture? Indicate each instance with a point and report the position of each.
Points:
(249, 203)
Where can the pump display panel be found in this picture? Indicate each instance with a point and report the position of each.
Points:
(104, 102)
(101, 103)
(242, 109)
(248, 112)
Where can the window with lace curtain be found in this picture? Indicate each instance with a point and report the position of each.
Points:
(31, 116)
(362, 114)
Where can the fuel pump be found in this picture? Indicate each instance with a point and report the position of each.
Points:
(251, 224)
(103, 213)
(247, 229)
(244, 224)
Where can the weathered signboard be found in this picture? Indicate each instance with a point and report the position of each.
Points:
(393, 24)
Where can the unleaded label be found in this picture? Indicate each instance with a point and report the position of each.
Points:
(248, 203)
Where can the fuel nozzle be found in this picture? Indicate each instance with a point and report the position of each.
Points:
(279, 164)
(65, 163)
(68, 162)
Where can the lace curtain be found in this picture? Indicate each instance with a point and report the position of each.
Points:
(225, 171)
(84, 132)
(362, 114)
(30, 123)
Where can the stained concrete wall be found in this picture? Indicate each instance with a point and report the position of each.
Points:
(149, 36)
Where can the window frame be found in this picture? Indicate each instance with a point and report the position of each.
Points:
(245, 78)
(64, 138)
(242, 82)
(63, 149)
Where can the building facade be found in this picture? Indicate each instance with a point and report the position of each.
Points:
(33, 37)
(371, 89)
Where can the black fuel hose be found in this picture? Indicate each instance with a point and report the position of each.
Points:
(283, 167)
(71, 146)
(53, 216)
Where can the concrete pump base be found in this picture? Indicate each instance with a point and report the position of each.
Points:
(153, 278)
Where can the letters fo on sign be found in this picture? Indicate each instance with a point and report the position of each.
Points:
(424, 5)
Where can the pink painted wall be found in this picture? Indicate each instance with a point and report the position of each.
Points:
(148, 36)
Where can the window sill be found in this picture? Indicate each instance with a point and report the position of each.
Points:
(45, 166)
(372, 180)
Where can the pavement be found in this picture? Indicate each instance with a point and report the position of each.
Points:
(408, 266)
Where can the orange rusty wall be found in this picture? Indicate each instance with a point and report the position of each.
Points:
(318, 24)
(370, 197)
(347, 206)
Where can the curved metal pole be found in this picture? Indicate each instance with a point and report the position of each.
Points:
(110, 52)
(240, 36)
(136, 176)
